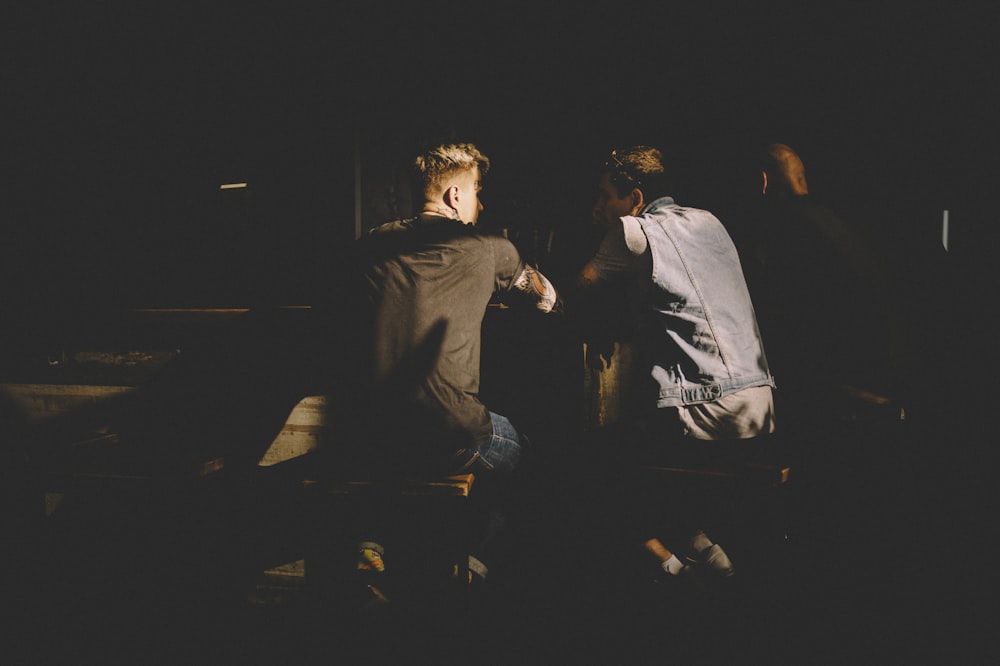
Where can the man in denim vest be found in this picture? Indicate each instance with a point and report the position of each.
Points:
(699, 374)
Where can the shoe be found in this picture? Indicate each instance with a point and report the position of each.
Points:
(370, 557)
(715, 560)
(368, 587)
(712, 561)
(683, 587)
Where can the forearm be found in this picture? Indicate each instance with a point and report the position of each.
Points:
(539, 290)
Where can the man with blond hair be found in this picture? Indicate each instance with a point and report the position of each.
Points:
(422, 288)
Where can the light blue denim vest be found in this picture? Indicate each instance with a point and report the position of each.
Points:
(699, 324)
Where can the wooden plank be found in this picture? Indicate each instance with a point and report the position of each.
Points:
(38, 402)
(300, 434)
(105, 461)
(772, 474)
(452, 486)
(197, 315)
(116, 367)
(302, 431)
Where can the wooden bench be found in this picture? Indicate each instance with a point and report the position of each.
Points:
(433, 510)
(746, 497)
(103, 462)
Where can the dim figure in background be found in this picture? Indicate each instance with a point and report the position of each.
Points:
(420, 291)
(821, 297)
(699, 374)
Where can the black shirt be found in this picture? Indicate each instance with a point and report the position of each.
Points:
(425, 284)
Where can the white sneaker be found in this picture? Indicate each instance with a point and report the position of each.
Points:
(715, 560)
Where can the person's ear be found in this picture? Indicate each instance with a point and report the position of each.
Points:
(637, 200)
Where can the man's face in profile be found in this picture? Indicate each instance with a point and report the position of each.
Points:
(609, 207)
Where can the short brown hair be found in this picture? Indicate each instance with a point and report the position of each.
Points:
(433, 167)
(638, 167)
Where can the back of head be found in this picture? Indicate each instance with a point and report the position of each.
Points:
(638, 167)
(786, 175)
(436, 165)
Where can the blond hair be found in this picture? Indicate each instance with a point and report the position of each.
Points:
(436, 166)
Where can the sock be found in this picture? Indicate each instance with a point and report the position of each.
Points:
(370, 556)
(672, 566)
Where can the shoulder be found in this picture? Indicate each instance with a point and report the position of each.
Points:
(666, 209)
(393, 226)
(504, 252)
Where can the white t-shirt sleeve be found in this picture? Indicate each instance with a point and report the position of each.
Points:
(635, 237)
(622, 245)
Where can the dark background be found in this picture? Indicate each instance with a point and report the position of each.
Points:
(123, 120)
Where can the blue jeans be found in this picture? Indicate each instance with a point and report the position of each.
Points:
(498, 456)
(494, 464)
(502, 453)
